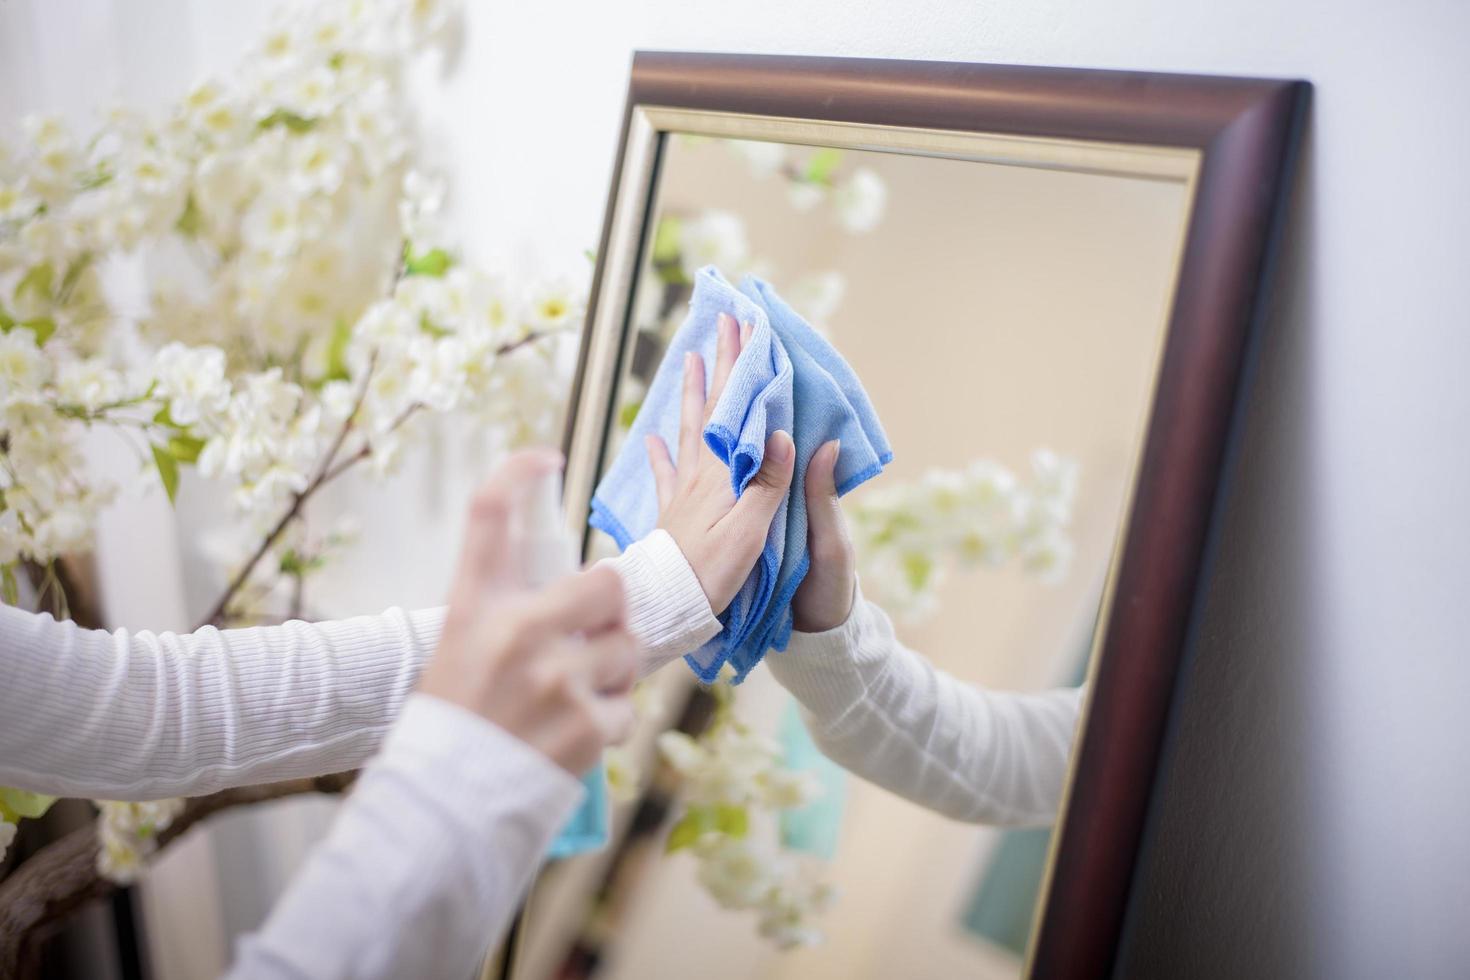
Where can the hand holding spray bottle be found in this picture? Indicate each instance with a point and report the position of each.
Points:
(548, 552)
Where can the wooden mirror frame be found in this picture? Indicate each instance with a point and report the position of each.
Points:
(1246, 132)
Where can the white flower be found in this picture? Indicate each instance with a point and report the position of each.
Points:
(23, 368)
(317, 164)
(127, 834)
(715, 238)
(312, 94)
(90, 383)
(11, 540)
(192, 381)
(16, 201)
(556, 304)
(860, 201)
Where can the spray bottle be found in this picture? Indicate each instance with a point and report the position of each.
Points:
(548, 552)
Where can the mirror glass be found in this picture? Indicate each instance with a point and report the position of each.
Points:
(1006, 318)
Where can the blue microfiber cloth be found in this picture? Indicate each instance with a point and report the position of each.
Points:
(787, 377)
(587, 828)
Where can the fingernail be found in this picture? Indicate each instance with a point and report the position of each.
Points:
(781, 448)
(688, 359)
(836, 445)
(726, 320)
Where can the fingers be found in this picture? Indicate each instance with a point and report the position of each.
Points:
(727, 349)
(691, 416)
(614, 718)
(756, 507)
(746, 329)
(588, 602)
(665, 477)
(486, 560)
(611, 660)
(826, 530)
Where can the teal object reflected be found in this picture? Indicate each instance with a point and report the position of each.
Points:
(587, 830)
(814, 828)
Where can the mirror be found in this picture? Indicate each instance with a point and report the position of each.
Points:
(1007, 302)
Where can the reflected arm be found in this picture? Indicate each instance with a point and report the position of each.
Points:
(890, 716)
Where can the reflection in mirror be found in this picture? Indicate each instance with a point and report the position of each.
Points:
(1006, 319)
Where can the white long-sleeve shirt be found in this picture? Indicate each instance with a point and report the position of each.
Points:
(884, 712)
(444, 829)
(434, 846)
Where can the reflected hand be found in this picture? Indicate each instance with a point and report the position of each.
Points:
(720, 537)
(824, 600)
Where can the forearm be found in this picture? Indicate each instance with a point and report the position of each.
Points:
(143, 716)
(425, 864)
(888, 715)
(139, 716)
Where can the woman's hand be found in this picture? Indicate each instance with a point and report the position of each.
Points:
(552, 667)
(824, 599)
(720, 537)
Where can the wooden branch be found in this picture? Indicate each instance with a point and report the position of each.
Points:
(62, 877)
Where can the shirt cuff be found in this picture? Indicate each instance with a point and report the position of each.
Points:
(474, 766)
(822, 670)
(667, 608)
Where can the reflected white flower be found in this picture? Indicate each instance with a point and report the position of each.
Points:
(817, 296)
(763, 158)
(713, 237)
(907, 535)
(860, 201)
(804, 196)
(622, 771)
(735, 873)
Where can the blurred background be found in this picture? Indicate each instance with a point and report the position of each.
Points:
(1310, 819)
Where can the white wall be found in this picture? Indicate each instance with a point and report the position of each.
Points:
(1315, 810)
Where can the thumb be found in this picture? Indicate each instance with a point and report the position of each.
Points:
(828, 532)
(763, 495)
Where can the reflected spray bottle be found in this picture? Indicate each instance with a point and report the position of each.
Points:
(548, 552)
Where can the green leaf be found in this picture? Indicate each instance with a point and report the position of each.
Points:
(336, 61)
(192, 220)
(6, 321)
(731, 820)
(337, 351)
(19, 803)
(431, 328)
(917, 568)
(74, 272)
(168, 470)
(164, 418)
(37, 280)
(42, 326)
(629, 414)
(284, 117)
(185, 448)
(822, 165)
(433, 263)
(666, 240)
(688, 830)
(9, 587)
